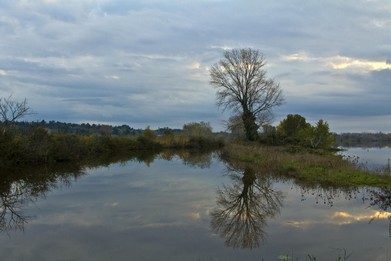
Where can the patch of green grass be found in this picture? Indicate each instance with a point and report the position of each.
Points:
(305, 166)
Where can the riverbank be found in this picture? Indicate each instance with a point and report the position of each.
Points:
(310, 167)
(38, 147)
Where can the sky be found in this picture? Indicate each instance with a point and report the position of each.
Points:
(146, 63)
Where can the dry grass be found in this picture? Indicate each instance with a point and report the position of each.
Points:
(305, 166)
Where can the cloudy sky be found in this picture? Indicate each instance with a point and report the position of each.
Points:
(145, 62)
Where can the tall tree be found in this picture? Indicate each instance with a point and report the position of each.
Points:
(242, 86)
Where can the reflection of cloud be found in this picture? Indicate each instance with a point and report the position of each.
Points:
(342, 218)
(2, 73)
(113, 204)
(195, 215)
(299, 224)
(75, 219)
(159, 225)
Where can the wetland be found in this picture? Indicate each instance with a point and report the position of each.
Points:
(188, 205)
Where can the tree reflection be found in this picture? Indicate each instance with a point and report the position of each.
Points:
(381, 198)
(194, 158)
(244, 208)
(19, 187)
(11, 201)
(328, 194)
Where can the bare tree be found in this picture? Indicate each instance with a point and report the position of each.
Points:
(11, 110)
(242, 86)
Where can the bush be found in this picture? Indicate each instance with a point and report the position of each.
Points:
(67, 148)
(145, 143)
(204, 143)
(198, 129)
(294, 130)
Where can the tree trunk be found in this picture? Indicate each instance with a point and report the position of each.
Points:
(250, 127)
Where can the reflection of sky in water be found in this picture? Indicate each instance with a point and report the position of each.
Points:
(371, 157)
(162, 212)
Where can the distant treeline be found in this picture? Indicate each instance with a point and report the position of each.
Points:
(86, 129)
(379, 139)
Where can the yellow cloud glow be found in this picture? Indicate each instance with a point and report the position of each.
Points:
(297, 57)
(194, 65)
(340, 218)
(342, 62)
(195, 215)
(298, 224)
(346, 218)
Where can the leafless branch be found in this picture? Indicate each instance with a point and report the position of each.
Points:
(242, 84)
(11, 110)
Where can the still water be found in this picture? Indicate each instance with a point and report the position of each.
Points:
(194, 207)
(372, 158)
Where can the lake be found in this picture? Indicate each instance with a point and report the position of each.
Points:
(372, 158)
(187, 207)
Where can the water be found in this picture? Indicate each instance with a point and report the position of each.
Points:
(373, 158)
(186, 208)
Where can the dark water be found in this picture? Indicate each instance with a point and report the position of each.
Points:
(186, 208)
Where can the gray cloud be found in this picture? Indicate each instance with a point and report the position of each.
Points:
(145, 62)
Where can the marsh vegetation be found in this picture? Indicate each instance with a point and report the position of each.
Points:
(309, 166)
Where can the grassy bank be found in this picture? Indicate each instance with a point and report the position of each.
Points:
(311, 167)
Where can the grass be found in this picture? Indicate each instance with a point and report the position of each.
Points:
(310, 167)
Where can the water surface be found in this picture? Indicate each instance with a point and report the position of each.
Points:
(187, 208)
(371, 157)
